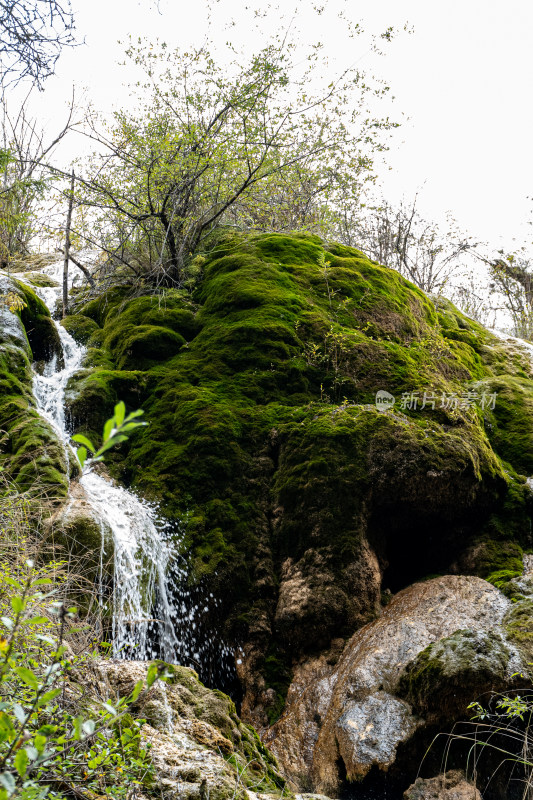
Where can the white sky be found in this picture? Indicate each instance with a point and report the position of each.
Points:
(461, 81)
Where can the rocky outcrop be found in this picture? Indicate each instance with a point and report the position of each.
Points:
(305, 504)
(199, 747)
(437, 646)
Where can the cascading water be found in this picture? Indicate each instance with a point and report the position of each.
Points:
(153, 611)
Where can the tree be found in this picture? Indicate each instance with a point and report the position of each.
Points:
(511, 277)
(400, 238)
(246, 144)
(23, 177)
(32, 34)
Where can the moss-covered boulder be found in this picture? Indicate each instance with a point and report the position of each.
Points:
(199, 746)
(448, 675)
(30, 451)
(80, 328)
(301, 499)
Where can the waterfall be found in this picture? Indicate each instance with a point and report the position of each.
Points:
(148, 605)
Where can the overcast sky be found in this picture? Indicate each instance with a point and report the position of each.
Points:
(461, 81)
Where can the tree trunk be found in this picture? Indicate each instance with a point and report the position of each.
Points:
(67, 246)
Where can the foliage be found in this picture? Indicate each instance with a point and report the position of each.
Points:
(512, 277)
(45, 744)
(13, 301)
(402, 239)
(116, 430)
(23, 179)
(245, 144)
(43, 741)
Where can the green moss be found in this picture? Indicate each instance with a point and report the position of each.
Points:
(91, 395)
(510, 424)
(518, 625)
(80, 327)
(450, 674)
(254, 764)
(31, 455)
(264, 439)
(40, 329)
(38, 279)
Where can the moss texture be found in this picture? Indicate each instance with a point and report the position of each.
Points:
(265, 441)
(451, 673)
(30, 452)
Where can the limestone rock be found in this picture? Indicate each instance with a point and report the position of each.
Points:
(77, 530)
(447, 675)
(199, 747)
(450, 786)
(355, 710)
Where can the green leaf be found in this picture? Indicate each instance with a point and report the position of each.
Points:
(8, 782)
(79, 437)
(46, 698)
(11, 581)
(151, 675)
(81, 453)
(27, 676)
(21, 762)
(130, 426)
(77, 728)
(37, 621)
(120, 413)
(39, 742)
(134, 414)
(137, 689)
(108, 427)
(17, 604)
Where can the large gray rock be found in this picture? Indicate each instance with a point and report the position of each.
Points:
(357, 712)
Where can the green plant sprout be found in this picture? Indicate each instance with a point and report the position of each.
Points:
(116, 430)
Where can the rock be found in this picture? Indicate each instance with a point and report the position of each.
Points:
(31, 454)
(357, 711)
(199, 747)
(445, 677)
(301, 495)
(450, 786)
(81, 534)
(367, 731)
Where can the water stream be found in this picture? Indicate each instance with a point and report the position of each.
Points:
(150, 601)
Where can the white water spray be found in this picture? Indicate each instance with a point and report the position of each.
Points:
(155, 614)
(141, 555)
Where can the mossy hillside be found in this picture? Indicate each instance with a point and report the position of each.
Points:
(30, 452)
(264, 437)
